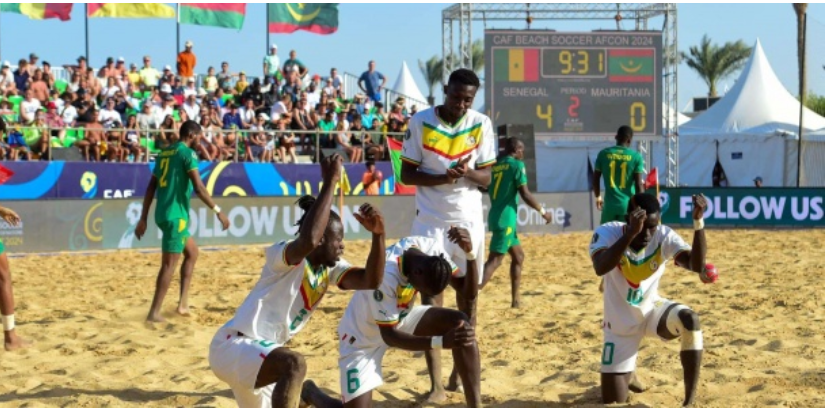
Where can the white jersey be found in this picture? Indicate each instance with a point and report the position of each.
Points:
(284, 298)
(435, 146)
(368, 309)
(632, 288)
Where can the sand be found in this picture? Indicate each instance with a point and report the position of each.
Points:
(763, 324)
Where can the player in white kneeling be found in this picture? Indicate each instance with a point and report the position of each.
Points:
(632, 259)
(386, 317)
(249, 351)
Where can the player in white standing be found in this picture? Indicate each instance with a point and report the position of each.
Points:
(377, 320)
(446, 153)
(248, 352)
(632, 259)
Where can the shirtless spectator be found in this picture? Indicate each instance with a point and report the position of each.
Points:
(93, 137)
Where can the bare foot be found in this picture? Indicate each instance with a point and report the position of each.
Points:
(435, 397)
(454, 384)
(689, 403)
(635, 385)
(516, 304)
(184, 311)
(16, 342)
(155, 318)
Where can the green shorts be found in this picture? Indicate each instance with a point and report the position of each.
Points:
(503, 240)
(174, 235)
(2, 247)
(613, 216)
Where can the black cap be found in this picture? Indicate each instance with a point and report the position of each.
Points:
(109, 60)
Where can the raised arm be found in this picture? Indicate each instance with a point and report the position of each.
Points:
(695, 260)
(370, 277)
(315, 222)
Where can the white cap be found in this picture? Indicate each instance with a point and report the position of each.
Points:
(165, 88)
(275, 46)
(6, 64)
(121, 59)
(189, 43)
(263, 116)
(168, 67)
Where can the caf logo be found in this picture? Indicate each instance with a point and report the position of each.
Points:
(470, 141)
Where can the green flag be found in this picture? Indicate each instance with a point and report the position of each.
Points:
(319, 18)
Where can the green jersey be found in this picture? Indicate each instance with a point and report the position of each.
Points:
(508, 175)
(618, 165)
(173, 187)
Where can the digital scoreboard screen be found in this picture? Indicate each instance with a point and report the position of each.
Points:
(575, 84)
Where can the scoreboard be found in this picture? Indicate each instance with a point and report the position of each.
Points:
(575, 84)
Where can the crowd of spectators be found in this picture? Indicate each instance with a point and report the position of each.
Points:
(119, 111)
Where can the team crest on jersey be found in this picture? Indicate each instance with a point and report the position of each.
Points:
(471, 141)
(377, 295)
(314, 286)
(654, 265)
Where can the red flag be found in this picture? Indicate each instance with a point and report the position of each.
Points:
(5, 174)
(652, 179)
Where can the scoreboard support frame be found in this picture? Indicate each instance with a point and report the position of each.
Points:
(461, 15)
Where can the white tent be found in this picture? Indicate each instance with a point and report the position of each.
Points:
(406, 87)
(751, 130)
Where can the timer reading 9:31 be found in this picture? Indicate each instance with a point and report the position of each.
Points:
(574, 62)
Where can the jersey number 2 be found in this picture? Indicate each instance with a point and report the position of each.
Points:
(624, 166)
(163, 164)
(498, 178)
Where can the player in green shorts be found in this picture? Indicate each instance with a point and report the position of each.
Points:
(508, 180)
(622, 168)
(10, 339)
(174, 175)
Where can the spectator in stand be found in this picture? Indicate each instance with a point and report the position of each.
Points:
(146, 119)
(133, 77)
(327, 124)
(112, 88)
(69, 114)
(192, 107)
(110, 119)
(29, 107)
(210, 81)
(258, 149)
(291, 86)
(74, 82)
(367, 118)
(168, 130)
(48, 76)
(413, 110)
(7, 83)
(17, 146)
(85, 108)
(396, 119)
(371, 147)
(247, 114)
(186, 62)
(38, 136)
(253, 93)
(109, 69)
(329, 89)
(232, 122)
(190, 88)
(286, 139)
(343, 139)
(121, 69)
(21, 76)
(93, 136)
(150, 76)
(32, 64)
(272, 63)
(167, 76)
(225, 78)
(337, 81)
(207, 148)
(177, 89)
(39, 88)
(54, 122)
(164, 110)
(284, 106)
(371, 179)
(313, 94)
(130, 141)
(356, 133)
(242, 83)
(301, 121)
(270, 98)
(372, 81)
(293, 64)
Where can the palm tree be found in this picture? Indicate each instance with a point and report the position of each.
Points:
(432, 71)
(478, 58)
(714, 63)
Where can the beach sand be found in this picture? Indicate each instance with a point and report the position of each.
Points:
(763, 326)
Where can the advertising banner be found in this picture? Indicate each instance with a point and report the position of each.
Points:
(747, 206)
(83, 180)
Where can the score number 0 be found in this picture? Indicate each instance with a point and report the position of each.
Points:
(638, 114)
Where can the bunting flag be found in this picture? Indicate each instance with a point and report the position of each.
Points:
(319, 18)
(130, 10)
(395, 149)
(517, 64)
(652, 179)
(226, 15)
(39, 11)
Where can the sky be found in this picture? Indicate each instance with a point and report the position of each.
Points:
(393, 33)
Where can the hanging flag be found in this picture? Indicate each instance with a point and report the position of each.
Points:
(319, 18)
(39, 11)
(395, 149)
(516, 64)
(652, 179)
(130, 10)
(631, 65)
(227, 15)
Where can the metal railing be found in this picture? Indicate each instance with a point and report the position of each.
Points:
(312, 144)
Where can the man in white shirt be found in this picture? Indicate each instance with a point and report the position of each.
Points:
(337, 80)
(7, 86)
(249, 351)
(160, 112)
(446, 154)
(192, 108)
(631, 257)
(29, 107)
(377, 320)
(281, 107)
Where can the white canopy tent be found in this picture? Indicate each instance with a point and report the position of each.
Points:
(752, 130)
(406, 87)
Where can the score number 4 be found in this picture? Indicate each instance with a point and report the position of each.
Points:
(638, 113)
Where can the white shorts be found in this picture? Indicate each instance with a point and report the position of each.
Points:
(236, 360)
(437, 230)
(620, 350)
(361, 368)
